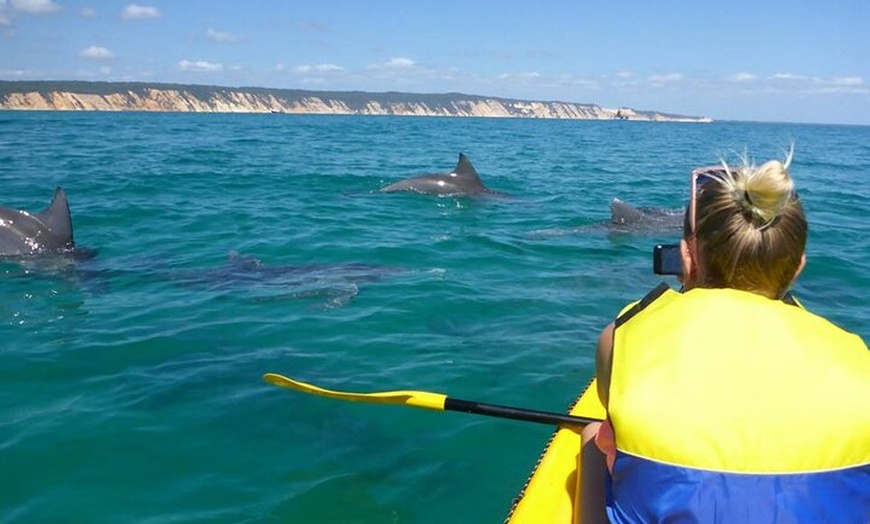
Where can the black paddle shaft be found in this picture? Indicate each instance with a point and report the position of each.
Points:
(528, 415)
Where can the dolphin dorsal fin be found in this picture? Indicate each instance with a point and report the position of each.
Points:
(623, 213)
(56, 217)
(465, 170)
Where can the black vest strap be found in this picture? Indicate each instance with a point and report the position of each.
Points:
(659, 290)
(789, 299)
(644, 302)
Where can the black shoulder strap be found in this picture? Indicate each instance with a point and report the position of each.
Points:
(650, 297)
(790, 299)
(660, 289)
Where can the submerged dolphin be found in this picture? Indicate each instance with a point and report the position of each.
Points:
(335, 282)
(463, 180)
(23, 234)
(626, 216)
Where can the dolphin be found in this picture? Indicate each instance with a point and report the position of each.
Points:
(246, 268)
(463, 180)
(24, 234)
(626, 216)
(338, 283)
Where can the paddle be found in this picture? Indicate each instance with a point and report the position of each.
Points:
(436, 401)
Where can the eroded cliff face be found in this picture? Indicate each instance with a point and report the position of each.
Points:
(229, 100)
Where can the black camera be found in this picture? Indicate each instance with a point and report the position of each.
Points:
(666, 260)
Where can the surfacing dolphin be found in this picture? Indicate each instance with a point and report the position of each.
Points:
(625, 216)
(463, 180)
(49, 232)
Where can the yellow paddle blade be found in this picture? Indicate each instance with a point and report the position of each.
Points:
(419, 399)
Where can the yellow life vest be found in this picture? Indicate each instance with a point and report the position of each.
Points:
(737, 398)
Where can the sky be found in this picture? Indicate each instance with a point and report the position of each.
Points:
(763, 60)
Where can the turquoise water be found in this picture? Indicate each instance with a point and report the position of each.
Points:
(232, 245)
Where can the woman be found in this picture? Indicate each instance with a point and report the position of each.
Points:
(728, 402)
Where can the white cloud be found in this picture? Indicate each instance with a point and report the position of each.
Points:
(791, 83)
(531, 75)
(787, 76)
(624, 75)
(87, 12)
(848, 81)
(395, 63)
(13, 73)
(842, 84)
(221, 36)
(139, 12)
(97, 52)
(200, 66)
(816, 82)
(586, 84)
(401, 62)
(34, 7)
(320, 68)
(666, 79)
(5, 21)
(742, 78)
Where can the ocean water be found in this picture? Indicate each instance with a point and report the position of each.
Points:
(232, 245)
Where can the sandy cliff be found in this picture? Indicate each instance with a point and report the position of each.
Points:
(105, 96)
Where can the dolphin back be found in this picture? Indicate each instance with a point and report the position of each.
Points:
(466, 172)
(48, 231)
(624, 213)
(410, 184)
(626, 216)
(463, 180)
(56, 218)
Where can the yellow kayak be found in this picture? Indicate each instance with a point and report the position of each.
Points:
(551, 493)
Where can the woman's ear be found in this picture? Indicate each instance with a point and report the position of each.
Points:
(687, 257)
(800, 266)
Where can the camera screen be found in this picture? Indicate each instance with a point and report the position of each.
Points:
(666, 260)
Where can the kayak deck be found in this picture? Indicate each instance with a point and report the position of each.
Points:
(551, 492)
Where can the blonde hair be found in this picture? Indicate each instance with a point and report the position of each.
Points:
(751, 229)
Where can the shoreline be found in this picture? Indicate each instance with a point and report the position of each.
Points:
(156, 97)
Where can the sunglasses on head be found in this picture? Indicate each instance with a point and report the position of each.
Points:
(698, 178)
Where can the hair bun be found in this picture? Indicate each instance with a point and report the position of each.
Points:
(764, 191)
